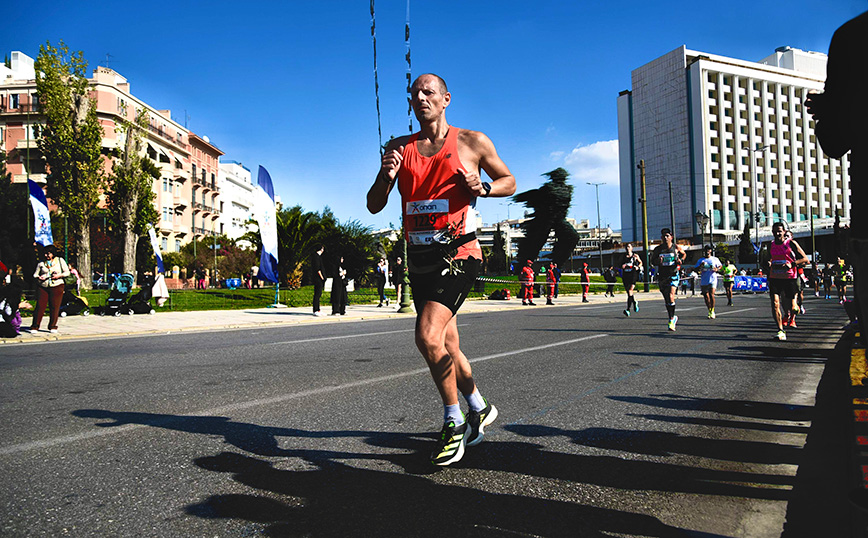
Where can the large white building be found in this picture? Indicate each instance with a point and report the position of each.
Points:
(732, 139)
(236, 190)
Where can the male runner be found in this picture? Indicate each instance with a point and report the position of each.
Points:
(668, 257)
(438, 175)
(729, 271)
(709, 265)
(631, 267)
(785, 254)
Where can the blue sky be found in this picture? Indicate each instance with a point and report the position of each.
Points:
(289, 85)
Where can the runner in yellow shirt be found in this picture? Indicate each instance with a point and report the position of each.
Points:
(729, 271)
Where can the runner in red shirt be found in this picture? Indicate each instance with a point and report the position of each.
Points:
(438, 175)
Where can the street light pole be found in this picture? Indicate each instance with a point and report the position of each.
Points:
(754, 195)
(599, 233)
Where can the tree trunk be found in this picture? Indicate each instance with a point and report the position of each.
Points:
(129, 238)
(84, 255)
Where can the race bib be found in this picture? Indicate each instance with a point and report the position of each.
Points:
(779, 267)
(668, 259)
(427, 221)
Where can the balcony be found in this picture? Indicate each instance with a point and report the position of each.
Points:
(27, 144)
(165, 135)
(199, 182)
(23, 108)
(201, 231)
(214, 187)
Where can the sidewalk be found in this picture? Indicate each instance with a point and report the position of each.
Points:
(93, 326)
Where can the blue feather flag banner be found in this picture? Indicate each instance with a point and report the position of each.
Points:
(156, 246)
(42, 218)
(265, 213)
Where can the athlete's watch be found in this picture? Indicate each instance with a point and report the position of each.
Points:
(487, 187)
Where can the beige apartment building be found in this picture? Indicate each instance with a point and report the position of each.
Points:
(188, 197)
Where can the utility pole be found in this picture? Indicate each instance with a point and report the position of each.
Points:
(645, 246)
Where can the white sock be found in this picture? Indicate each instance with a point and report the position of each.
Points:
(452, 413)
(475, 400)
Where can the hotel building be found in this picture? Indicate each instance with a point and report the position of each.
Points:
(730, 139)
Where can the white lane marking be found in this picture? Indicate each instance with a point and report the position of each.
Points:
(734, 311)
(321, 338)
(240, 406)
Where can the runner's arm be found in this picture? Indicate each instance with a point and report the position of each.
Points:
(502, 181)
(378, 194)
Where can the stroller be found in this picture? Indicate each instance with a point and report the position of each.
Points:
(141, 302)
(116, 304)
(73, 305)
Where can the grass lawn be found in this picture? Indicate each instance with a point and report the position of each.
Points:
(226, 299)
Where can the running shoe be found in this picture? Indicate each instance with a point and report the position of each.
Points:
(478, 420)
(626, 312)
(792, 321)
(450, 446)
(711, 314)
(635, 306)
(672, 323)
(781, 335)
(802, 310)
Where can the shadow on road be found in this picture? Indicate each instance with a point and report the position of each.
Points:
(338, 499)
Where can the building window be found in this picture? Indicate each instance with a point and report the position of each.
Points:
(164, 244)
(177, 245)
(13, 100)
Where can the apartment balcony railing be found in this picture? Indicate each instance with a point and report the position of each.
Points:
(164, 134)
(214, 187)
(199, 182)
(201, 231)
(23, 108)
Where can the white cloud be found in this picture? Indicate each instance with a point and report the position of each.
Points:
(556, 155)
(597, 162)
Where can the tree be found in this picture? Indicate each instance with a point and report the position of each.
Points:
(71, 143)
(550, 204)
(130, 194)
(15, 237)
(297, 233)
(497, 262)
(723, 252)
(746, 252)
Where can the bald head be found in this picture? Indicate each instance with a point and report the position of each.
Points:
(441, 84)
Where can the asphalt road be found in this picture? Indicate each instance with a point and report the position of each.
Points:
(609, 426)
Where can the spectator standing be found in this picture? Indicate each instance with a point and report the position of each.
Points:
(550, 283)
(398, 272)
(380, 277)
(339, 289)
(318, 278)
(611, 278)
(841, 114)
(527, 279)
(49, 274)
(10, 299)
(557, 272)
(586, 281)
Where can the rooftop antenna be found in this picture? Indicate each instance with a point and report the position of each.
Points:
(107, 60)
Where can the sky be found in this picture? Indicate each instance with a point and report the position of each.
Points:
(290, 85)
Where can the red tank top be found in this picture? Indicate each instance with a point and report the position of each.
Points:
(434, 198)
(781, 254)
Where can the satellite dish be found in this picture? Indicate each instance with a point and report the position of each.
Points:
(206, 139)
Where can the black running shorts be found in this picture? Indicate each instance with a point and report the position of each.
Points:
(786, 288)
(445, 288)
